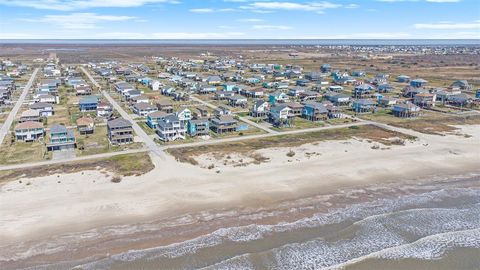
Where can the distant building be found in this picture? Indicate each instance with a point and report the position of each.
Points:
(314, 111)
(424, 100)
(418, 83)
(260, 108)
(364, 106)
(406, 110)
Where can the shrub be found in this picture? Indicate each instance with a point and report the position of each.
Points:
(116, 179)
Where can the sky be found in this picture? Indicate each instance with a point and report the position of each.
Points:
(239, 19)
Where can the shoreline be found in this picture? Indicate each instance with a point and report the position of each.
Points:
(102, 242)
(174, 189)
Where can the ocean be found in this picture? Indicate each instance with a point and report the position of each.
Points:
(296, 42)
(415, 226)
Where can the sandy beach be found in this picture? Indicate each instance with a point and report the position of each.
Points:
(69, 203)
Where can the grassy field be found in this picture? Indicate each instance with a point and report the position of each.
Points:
(368, 132)
(21, 152)
(429, 123)
(145, 127)
(122, 165)
(97, 143)
(301, 123)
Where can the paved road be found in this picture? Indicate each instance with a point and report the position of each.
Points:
(63, 161)
(243, 119)
(90, 77)
(138, 130)
(8, 122)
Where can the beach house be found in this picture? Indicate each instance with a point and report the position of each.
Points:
(119, 131)
(260, 108)
(406, 110)
(154, 117)
(45, 109)
(223, 124)
(277, 97)
(170, 128)
(314, 111)
(29, 131)
(418, 83)
(104, 109)
(281, 115)
(364, 106)
(61, 139)
(198, 127)
(363, 91)
(424, 100)
(85, 125)
(88, 103)
(143, 109)
(165, 105)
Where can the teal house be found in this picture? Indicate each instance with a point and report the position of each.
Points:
(154, 117)
(228, 87)
(61, 138)
(198, 127)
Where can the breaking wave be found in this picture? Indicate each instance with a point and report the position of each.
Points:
(422, 226)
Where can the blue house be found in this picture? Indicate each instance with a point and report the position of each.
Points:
(403, 78)
(477, 94)
(384, 88)
(61, 138)
(154, 118)
(145, 81)
(363, 90)
(88, 103)
(364, 105)
(198, 127)
(276, 97)
(252, 80)
(314, 111)
(325, 68)
(228, 87)
(418, 83)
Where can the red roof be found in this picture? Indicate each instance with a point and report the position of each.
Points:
(29, 125)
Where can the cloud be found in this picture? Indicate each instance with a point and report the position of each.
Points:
(352, 6)
(447, 26)
(196, 35)
(430, 1)
(210, 10)
(69, 5)
(272, 27)
(443, 1)
(79, 20)
(251, 20)
(318, 7)
(374, 35)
